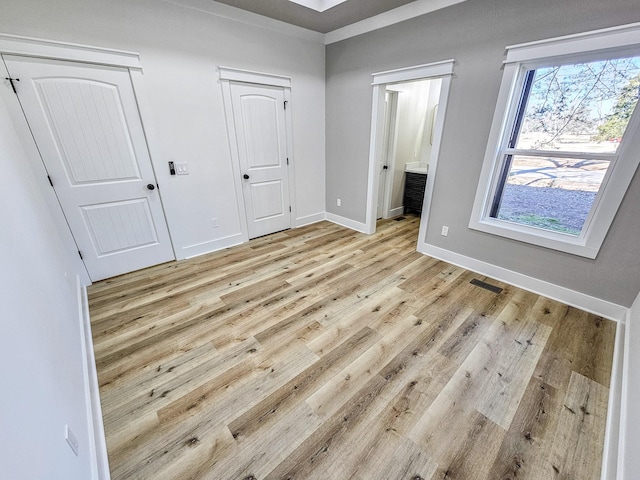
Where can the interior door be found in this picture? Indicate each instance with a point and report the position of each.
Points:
(386, 160)
(85, 121)
(382, 164)
(259, 120)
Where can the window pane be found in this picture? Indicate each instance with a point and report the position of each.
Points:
(583, 107)
(551, 193)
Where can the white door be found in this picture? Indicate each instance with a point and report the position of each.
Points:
(259, 120)
(387, 160)
(85, 121)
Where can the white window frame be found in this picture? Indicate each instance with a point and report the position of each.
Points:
(595, 45)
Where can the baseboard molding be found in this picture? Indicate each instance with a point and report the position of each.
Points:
(614, 428)
(347, 222)
(309, 219)
(212, 246)
(579, 300)
(98, 444)
(394, 212)
(628, 459)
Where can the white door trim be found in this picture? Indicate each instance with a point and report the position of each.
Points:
(249, 76)
(443, 70)
(39, 47)
(228, 75)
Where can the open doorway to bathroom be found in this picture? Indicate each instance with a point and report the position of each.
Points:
(408, 111)
(409, 121)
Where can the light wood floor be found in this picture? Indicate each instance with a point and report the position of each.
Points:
(321, 353)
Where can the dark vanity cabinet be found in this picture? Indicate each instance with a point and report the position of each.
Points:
(414, 185)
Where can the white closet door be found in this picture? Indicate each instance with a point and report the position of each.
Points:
(259, 120)
(85, 121)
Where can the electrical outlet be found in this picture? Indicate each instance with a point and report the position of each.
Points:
(182, 168)
(339, 202)
(214, 223)
(71, 439)
(445, 231)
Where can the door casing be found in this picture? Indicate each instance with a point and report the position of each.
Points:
(443, 70)
(228, 75)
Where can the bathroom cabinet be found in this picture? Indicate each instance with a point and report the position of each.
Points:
(414, 186)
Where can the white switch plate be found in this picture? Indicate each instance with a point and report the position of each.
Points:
(445, 231)
(182, 168)
(339, 202)
(71, 439)
(214, 222)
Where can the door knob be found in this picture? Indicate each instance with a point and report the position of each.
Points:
(151, 186)
(245, 176)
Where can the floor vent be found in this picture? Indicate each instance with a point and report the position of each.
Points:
(397, 219)
(486, 286)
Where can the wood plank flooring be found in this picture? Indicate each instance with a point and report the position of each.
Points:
(322, 353)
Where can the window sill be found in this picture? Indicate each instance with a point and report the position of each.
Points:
(535, 236)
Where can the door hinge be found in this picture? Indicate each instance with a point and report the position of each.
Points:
(289, 208)
(287, 161)
(285, 104)
(13, 85)
(50, 181)
(79, 253)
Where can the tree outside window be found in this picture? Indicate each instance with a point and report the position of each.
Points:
(564, 138)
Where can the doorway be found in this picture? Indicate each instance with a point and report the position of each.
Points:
(85, 122)
(410, 113)
(421, 152)
(261, 140)
(259, 126)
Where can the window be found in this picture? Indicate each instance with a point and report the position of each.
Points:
(555, 169)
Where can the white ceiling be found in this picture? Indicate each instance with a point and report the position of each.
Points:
(335, 14)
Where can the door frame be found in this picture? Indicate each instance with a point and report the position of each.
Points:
(228, 75)
(431, 71)
(71, 52)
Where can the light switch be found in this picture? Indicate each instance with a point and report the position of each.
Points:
(182, 168)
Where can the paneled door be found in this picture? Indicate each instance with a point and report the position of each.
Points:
(259, 120)
(85, 121)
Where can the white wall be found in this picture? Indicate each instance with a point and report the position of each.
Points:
(41, 344)
(180, 50)
(41, 358)
(434, 97)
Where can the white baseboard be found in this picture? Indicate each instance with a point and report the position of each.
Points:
(347, 222)
(628, 450)
(614, 428)
(309, 219)
(212, 246)
(394, 212)
(97, 441)
(579, 300)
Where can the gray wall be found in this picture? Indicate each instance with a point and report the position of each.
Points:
(475, 34)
